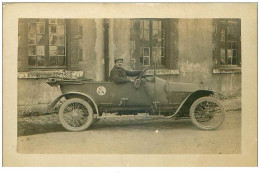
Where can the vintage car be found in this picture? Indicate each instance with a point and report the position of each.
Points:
(87, 100)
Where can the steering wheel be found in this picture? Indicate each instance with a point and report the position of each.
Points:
(138, 79)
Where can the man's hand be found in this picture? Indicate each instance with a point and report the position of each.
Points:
(132, 80)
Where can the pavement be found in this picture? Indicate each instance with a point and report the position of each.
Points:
(131, 136)
(29, 125)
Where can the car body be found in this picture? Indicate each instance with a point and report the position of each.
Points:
(155, 96)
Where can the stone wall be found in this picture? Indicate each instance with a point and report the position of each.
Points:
(195, 61)
(34, 95)
(119, 42)
(93, 49)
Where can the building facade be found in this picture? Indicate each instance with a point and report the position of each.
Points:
(185, 50)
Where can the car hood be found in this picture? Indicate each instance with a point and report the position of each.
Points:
(178, 86)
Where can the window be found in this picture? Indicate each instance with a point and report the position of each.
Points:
(148, 42)
(46, 43)
(228, 46)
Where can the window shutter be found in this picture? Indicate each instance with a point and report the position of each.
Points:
(167, 43)
(22, 45)
(214, 40)
(73, 44)
(135, 38)
(171, 34)
(68, 45)
(239, 62)
(80, 35)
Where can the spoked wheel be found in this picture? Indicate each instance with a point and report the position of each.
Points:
(207, 113)
(76, 114)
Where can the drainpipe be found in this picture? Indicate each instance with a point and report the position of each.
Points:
(106, 48)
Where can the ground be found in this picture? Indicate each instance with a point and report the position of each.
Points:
(130, 135)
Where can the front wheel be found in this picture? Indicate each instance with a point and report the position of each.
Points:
(207, 113)
(76, 114)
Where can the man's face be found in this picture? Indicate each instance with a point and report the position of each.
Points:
(119, 63)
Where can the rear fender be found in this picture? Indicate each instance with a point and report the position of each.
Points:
(184, 108)
(79, 95)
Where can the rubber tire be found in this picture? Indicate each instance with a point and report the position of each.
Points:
(198, 101)
(90, 117)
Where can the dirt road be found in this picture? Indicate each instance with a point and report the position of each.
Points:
(140, 136)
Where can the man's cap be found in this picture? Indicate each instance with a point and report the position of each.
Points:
(119, 59)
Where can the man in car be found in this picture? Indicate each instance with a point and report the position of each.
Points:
(119, 75)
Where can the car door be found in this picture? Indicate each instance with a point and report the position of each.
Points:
(128, 93)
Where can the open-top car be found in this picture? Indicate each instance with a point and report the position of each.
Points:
(87, 100)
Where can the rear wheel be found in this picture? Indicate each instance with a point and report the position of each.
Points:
(207, 113)
(76, 114)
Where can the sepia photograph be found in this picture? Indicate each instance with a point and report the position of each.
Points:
(122, 82)
(136, 85)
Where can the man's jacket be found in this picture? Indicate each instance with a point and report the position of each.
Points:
(119, 75)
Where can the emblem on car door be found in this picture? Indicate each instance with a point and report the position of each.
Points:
(101, 90)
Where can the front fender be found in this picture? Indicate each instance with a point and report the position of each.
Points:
(85, 96)
(190, 99)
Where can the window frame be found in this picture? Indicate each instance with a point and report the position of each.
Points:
(218, 25)
(47, 46)
(138, 57)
